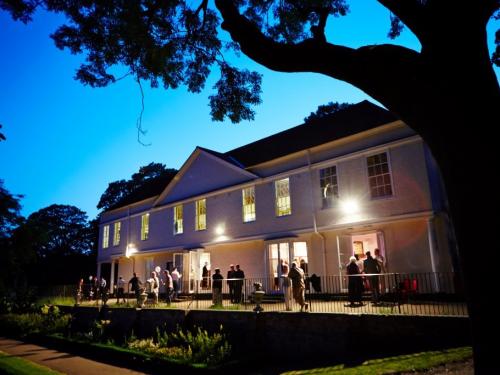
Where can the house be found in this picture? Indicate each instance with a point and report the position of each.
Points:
(319, 192)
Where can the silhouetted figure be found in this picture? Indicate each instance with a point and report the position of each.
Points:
(316, 282)
(371, 266)
(239, 275)
(217, 287)
(230, 282)
(205, 276)
(355, 283)
(136, 284)
(296, 275)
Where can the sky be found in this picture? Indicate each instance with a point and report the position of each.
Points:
(67, 142)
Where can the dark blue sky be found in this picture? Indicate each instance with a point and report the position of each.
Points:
(66, 142)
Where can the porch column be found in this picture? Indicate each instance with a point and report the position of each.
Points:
(431, 235)
(99, 270)
(112, 277)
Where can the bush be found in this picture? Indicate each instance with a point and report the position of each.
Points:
(186, 347)
(48, 320)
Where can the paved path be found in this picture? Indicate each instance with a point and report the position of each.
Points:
(60, 361)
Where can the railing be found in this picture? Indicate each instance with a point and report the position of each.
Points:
(389, 293)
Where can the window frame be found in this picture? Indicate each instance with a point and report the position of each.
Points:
(105, 236)
(117, 227)
(327, 202)
(277, 207)
(389, 172)
(145, 227)
(198, 223)
(252, 211)
(178, 228)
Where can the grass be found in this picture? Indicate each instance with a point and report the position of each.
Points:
(394, 365)
(16, 366)
(62, 301)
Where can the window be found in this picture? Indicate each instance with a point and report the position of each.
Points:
(329, 186)
(116, 233)
(283, 203)
(201, 214)
(379, 176)
(144, 227)
(178, 228)
(105, 237)
(248, 198)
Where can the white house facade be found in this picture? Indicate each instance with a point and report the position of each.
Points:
(357, 180)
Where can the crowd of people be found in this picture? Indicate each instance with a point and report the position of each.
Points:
(372, 267)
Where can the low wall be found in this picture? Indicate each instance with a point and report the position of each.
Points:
(283, 334)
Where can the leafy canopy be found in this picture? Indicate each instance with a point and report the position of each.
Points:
(141, 185)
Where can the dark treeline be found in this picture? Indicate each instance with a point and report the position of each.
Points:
(57, 245)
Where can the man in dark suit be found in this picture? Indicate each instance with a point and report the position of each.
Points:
(372, 267)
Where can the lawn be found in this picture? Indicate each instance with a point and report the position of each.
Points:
(16, 366)
(394, 365)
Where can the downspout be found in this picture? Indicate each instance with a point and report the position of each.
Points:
(315, 226)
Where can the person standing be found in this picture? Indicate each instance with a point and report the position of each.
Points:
(230, 282)
(217, 287)
(155, 287)
(136, 284)
(355, 283)
(285, 285)
(383, 269)
(176, 276)
(103, 290)
(120, 290)
(205, 275)
(372, 268)
(296, 275)
(239, 275)
(169, 287)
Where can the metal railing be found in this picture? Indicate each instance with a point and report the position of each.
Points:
(390, 293)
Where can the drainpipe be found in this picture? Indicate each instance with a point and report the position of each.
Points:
(432, 241)
(321, 236)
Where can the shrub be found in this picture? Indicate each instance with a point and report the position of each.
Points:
(199, 347)
(48, 320)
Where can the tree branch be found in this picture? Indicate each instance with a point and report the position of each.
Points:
(410, 12)
(378, 70)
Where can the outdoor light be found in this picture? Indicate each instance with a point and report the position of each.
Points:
(349, 206)
(219, 230)
(131, 250)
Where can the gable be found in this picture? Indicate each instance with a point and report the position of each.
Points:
(203, 172)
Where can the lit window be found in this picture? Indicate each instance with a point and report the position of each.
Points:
(379, 176)
(116, 233)
(248, 198)
(283, 202)
(144, 227)
(178, 228)
(201, 214)
(329, 186)
(105, 237)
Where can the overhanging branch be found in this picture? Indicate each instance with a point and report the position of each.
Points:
(377, 70)
(410, 12)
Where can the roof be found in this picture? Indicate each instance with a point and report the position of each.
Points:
(354, 119)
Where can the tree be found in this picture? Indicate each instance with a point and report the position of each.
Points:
(447, 91)
(64, 231)
(10, 212)
(143, 184)
(325, 110)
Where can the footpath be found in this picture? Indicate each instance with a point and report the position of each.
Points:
(60, 361)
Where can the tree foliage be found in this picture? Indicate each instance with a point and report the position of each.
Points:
(325, 110)
(140, 184)
(10, 211)
(60, 230)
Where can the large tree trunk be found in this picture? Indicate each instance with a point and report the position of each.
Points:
(449, 94)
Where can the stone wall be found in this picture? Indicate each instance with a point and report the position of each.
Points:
(310, 335)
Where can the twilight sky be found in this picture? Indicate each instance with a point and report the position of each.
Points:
(66, 142)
